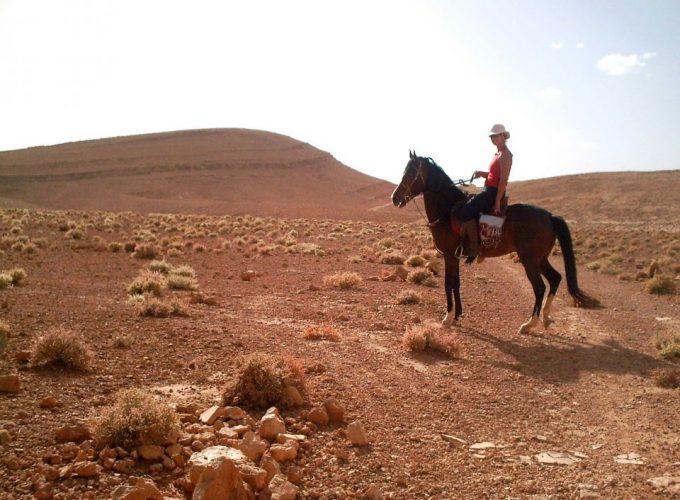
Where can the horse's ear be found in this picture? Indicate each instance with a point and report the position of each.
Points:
(410, 154)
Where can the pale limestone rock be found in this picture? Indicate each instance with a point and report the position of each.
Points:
(219, 480)
(318, 415)
(335, 411)
(629, 458)
(141, 489)
(10, 383)
(73, 432)
(228, 433)
(252, 446)
(209, 416)
(233, 413)
(86, 469)
(271, 424)
(271, 466)
(669, 484)
(284, 438)
(356, 434)
(373, 493)
(556, 458)
(250, 473)
(282, 489)
(482, 446)
(150, 452)
(284, 452)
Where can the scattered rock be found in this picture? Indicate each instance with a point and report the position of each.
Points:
(318, 415)
(482, 446)
(373, 493)
(49, 402)
(5, 437)
(556, 458)
(10, 383)
(291, 397)
(86, 469)
(22, 356)
(252, 446)
(141, 489)
(76, 433)
(233, 413)
(629, 458)
(209, 416)
(282, 489)
(452, 439)
(150, 452)
(219, 480)
(248, 275)
(336, 413)
(270, 465)
(271, 424)
(284, 452)
(206, 459)
(356, 434)
(669, 484)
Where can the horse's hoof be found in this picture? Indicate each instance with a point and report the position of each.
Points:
(547, 322)
(448, 321)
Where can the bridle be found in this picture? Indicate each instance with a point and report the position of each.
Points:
(408, 196)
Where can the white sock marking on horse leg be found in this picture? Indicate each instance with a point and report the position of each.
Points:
(547, 320)
(449, 319)
(526, 327)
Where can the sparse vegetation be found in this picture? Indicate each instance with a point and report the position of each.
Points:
(406, 297)
(148, 305)
(669, 346)
(262, 379)
(136, 418)
(148, 282)
(661, 285)
(421, 337)
(414, 261)
(61, 347)
(343, 280)
(668, 378)
(323, 332)
(421, 277)
(4, 335)
(145, 251)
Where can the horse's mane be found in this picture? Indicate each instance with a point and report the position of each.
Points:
(448, 183)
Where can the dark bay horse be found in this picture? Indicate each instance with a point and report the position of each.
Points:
(528, 230)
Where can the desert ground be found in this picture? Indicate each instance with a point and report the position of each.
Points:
(351, 307)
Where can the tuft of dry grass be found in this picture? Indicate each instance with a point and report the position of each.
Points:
(4, 335)
(668, 378)
(145, 251)
(261, 381)
(115, 247)
(5, 280)
(323, 332)
(414, 261)
(179, 282)
(135, 418)
(61, 347)
(392, 258)
(669, 346)
(421, 277)
(661, 285)
(12, 277)
(406, 297)
(421, 337)
(150, 306)
(121, 342)
(160, 266)
(148, 282)
(343, 280)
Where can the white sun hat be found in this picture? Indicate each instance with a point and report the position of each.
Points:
(499, 129)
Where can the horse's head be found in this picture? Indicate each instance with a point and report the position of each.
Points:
(413, 182)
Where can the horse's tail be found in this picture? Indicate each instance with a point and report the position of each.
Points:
(581, 299)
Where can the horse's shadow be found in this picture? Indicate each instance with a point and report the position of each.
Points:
(559, 360)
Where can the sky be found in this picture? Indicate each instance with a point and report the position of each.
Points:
(582, 85)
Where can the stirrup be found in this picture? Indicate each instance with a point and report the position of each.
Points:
(458, 253)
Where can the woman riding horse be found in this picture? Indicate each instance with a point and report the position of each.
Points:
(528, 230)
(492, 193)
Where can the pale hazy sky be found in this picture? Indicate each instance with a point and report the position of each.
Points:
(583, 85)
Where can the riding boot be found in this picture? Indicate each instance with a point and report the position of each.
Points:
(469, 228)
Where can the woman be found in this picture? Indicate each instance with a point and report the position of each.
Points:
(493, 192)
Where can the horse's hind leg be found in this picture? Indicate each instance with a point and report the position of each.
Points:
(534, 274)
(452, 284)
(554, 279)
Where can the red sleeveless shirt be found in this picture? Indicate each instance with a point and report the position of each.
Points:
(494, 177)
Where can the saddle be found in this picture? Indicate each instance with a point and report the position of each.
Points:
(489, 225)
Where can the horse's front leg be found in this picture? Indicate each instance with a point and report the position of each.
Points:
(452, 284)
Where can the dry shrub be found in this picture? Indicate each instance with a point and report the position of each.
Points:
(136, 418)
(661, 285)
(392, 258)
(121, 342)
(114, 247)
(4, 335)
(261, 380)
(148, 305)
(61, 347)
(669, 346)
(421, 277)
(199, 248)
(130, 246)
(13, 277)
(74, 234)
(406, 297)
(178, 282)
(343, 280)
(160, 266)
(145, 251)
(148, 282)
(5, 280)
(668, 378)
(323, 332)
(414, 261)
(421, 337)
